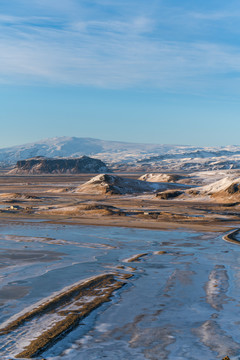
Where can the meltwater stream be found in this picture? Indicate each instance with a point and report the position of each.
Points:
(183, 301)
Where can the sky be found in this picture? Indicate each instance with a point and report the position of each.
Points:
(151, 71)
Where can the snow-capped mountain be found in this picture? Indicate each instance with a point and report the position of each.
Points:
(111, 151)
(138, 156)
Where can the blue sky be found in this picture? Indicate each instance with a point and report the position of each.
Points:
(165, 71)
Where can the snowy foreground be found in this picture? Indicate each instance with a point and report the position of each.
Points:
(182, 301)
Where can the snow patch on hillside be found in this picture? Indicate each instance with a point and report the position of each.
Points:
(159, 177)
(112, 184)
(220, 185)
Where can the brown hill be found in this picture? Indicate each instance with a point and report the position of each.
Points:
(112, 184)
(161, 177)
(226, 190)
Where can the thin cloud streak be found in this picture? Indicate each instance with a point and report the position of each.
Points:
(108, 53)
(221, 15)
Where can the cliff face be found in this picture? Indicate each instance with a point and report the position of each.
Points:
(41, 165)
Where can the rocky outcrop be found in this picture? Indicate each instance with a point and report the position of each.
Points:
(169, 194)
(41, 165)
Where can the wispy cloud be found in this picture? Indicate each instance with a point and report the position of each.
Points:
(215, 15)
(111, 51)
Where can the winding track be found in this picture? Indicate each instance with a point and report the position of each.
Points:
(231, 236)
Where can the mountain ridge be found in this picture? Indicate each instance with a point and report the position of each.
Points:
(139, 156)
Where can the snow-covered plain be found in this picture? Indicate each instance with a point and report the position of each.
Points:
(155, 156)
(181, 303)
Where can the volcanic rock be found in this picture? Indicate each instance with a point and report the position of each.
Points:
(42, 165)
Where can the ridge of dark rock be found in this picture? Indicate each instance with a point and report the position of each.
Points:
(42, 165)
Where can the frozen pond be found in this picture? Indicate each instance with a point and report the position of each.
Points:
(181, 303)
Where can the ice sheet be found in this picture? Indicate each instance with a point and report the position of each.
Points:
(181, 303)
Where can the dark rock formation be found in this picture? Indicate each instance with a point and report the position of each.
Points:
(41, 165)
(233, 189)
(169, 194)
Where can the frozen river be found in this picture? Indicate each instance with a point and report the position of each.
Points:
(182, 301)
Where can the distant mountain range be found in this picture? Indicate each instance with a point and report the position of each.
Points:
(122, 154)
(76, 147)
